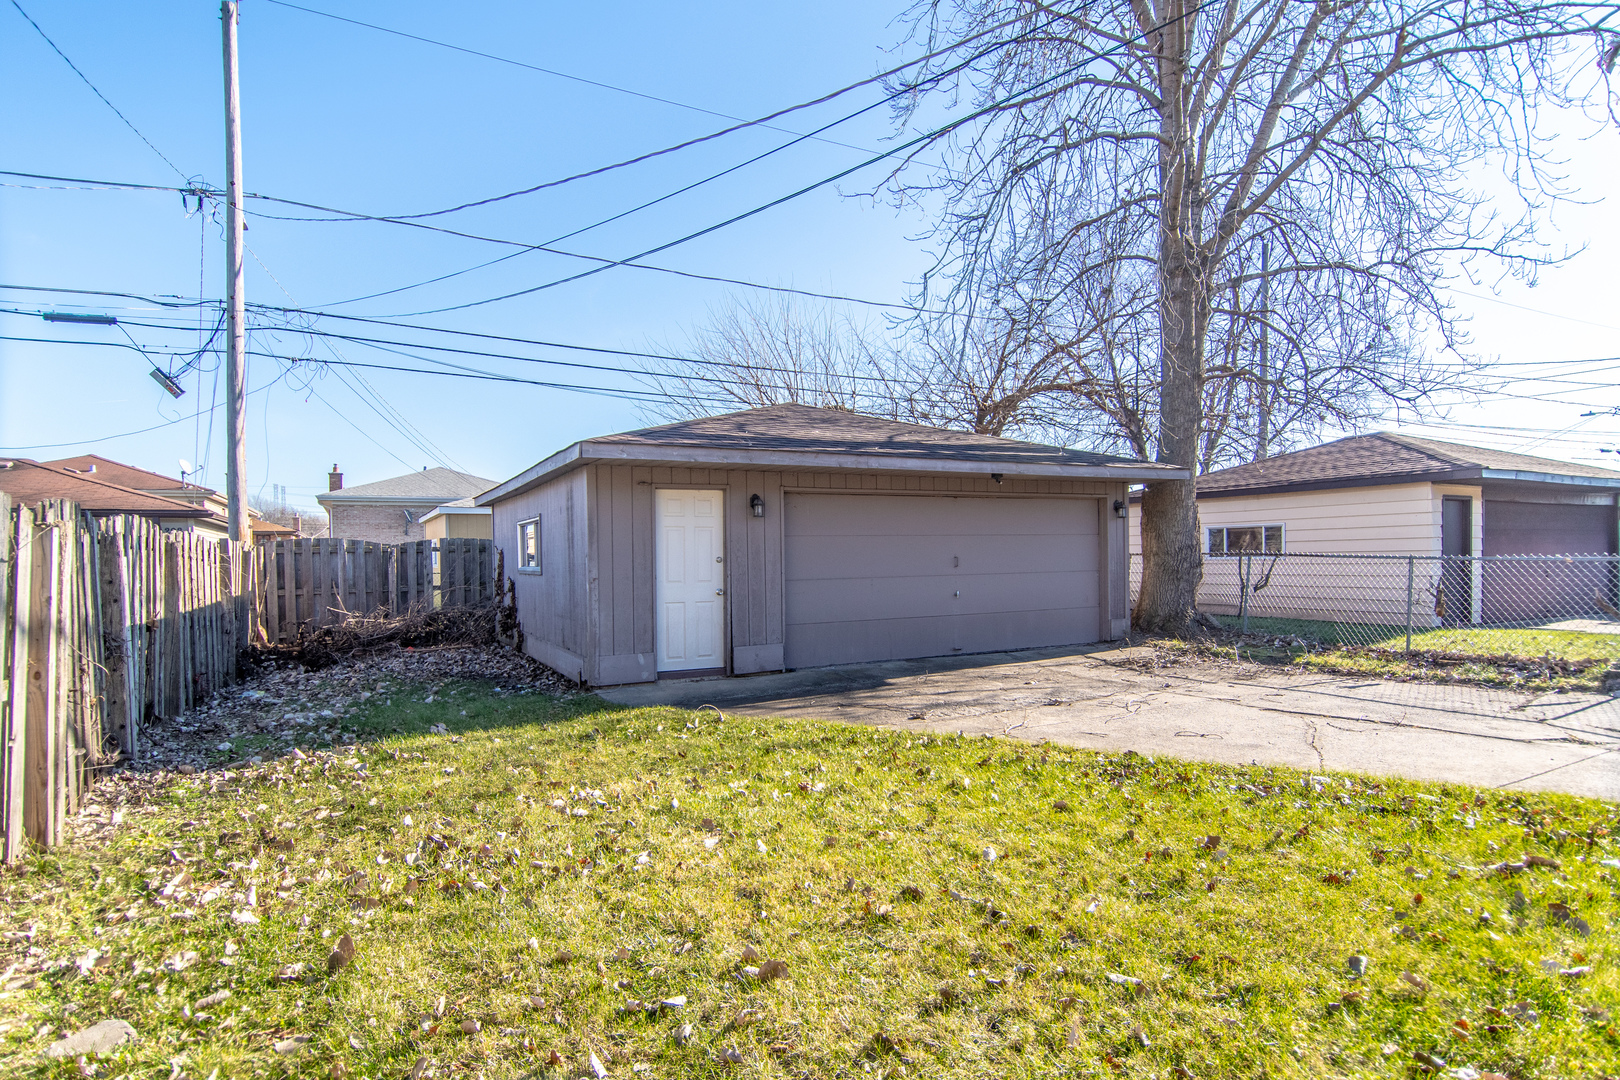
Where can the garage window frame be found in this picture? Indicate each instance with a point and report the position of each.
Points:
(1229, 540)
(529, 546)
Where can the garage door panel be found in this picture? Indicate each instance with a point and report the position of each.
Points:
(833, 599)
(921, 554)
(890, 515)
(1514, 528)
(877, 577)
(901, 639)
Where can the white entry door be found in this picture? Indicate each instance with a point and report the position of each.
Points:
(691, 579)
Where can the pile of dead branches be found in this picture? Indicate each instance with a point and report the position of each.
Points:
(366, 635)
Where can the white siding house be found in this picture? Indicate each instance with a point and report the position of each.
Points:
(1394, 495)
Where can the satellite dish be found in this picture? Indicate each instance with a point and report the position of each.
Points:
(185, 468)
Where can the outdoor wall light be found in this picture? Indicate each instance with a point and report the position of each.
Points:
(757, 505)
(1120, 510)
(996, 477)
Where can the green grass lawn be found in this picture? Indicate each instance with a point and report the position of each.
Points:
(547, 880)
(1530, 643)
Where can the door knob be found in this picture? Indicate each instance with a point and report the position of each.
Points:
(719, 592)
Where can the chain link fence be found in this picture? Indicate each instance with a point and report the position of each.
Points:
(1518, 605)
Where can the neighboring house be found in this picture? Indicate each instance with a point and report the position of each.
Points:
(791, 537)
(270, 530)
(1389, 494)
(392, 511)
(32, 481)
(459, 519)
(216, 524)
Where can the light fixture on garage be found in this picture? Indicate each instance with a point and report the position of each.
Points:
(1119, 509)
(996, 477)
(757, 505)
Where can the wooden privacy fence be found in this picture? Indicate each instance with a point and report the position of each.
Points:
(313, 583)
(104, 623)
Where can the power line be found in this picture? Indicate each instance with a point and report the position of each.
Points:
(741, 122)
(384, 343)
(104, 185)
(138, 431)
(599, 391)
(86, 79)
(393, 417)
(928, 136)
(624, 213)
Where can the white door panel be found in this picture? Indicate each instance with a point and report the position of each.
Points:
(691, 575)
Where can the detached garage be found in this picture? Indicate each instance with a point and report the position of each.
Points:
(791, 537)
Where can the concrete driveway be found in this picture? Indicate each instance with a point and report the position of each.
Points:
(1114, 699)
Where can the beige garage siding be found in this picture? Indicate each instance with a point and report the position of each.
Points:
(1396, 519)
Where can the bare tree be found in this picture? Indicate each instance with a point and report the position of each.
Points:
(993, 375)
(753, 352)
(309, 522)
(1143, 151)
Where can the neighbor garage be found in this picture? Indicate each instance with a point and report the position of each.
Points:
(791, 537)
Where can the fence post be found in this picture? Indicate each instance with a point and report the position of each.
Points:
(1245, 566)
(1410, 560)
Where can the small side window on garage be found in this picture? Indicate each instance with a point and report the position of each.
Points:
(529, 545)
(1245, 540)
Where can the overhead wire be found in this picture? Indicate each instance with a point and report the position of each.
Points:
(717, 279)
(372, 397)
(93, 89)
(125, 434)
(741, 124)
(918, 140)
(555, 73)
(961, 65)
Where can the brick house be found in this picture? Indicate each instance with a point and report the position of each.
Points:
(392, 511)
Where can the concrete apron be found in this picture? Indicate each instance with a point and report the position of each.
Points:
(1241, 714)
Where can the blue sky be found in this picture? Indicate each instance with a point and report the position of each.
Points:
(344, 116)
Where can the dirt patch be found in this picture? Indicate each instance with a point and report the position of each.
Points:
(282, 704)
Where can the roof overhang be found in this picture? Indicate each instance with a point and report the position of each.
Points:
(1470, 474)
(1561, 479)
(587, 453)
(449, 511)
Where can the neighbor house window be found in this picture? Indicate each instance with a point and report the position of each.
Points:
(529, 544)
(1246, 539)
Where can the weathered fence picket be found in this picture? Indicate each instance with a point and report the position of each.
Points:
(310, 583)
(105, 623)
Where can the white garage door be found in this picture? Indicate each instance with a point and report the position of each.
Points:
(886, 577)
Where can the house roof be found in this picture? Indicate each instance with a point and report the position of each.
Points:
(116, 472)
(263, 527)
(800, 436)
(460, 506)
(30, 481)
(437, 486)
(1387, 458)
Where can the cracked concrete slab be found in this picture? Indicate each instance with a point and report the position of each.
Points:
(1110, 698)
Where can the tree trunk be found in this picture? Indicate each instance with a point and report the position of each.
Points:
(1172, 564)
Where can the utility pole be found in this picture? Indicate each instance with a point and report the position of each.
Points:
(1262, 442)
(235, 304)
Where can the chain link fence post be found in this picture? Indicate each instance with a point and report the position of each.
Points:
(1410, 563)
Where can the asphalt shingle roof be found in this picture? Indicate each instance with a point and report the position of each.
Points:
(806, 429)
(30, 481)
(1364, 458)
(116, 472)
(429, 485)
